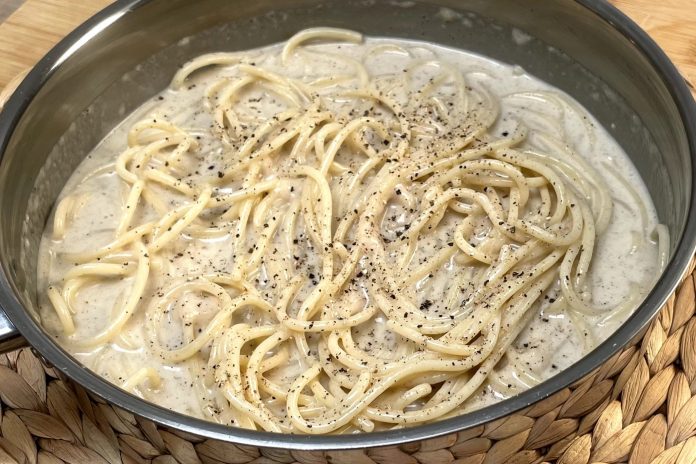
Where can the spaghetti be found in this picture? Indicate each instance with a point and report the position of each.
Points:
(375, 242)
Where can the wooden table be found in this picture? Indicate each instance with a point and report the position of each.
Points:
(38, 24)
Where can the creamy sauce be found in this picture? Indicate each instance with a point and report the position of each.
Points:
(624, 261)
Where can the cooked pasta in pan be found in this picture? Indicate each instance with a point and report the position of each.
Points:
(340, 234)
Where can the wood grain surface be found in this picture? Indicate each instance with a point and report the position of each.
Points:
(7, 7)
(38, 24)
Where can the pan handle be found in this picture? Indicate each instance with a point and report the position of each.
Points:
(10, 338)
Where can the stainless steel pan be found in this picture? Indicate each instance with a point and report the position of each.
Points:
(129, 51)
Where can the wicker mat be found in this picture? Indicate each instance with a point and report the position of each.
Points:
(639, 408)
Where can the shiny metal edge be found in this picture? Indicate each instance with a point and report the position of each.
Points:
(10, 338)
(633, 326)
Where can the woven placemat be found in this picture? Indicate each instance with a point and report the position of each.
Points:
(638, 408)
